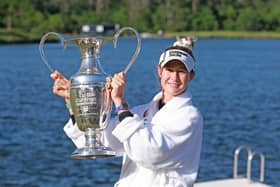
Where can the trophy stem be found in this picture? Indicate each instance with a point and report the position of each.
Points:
(92, 138)
(93, 147)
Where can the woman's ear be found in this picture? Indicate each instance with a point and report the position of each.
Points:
(192, 74)
(159, 70)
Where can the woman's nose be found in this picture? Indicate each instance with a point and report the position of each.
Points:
(175, 75)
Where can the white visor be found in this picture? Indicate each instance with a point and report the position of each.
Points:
(177, 54)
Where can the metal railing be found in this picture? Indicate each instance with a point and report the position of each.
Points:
(250, 157)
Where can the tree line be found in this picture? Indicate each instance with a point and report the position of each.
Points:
(67, 16)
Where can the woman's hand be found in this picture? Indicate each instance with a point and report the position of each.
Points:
(118, 84)
(61, 86)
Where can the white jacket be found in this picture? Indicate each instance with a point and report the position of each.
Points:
(161, 148)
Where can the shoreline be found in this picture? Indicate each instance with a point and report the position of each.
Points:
(225, 34)
(16, 36)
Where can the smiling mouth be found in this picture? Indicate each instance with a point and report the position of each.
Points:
(174, 84)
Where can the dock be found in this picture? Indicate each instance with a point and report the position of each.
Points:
(241, 182)
(238, 180)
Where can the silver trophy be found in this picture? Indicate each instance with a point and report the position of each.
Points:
(90, 101)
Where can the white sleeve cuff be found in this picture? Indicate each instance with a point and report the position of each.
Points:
(127, 127)
(74, 133)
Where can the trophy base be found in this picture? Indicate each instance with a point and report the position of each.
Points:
(90, 152)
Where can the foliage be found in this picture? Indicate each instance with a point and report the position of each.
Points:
(248, 19)
(205, 20)
(67, 16)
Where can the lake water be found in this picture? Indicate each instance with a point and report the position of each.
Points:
(237, 89)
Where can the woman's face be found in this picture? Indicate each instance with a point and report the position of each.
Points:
(174, 79)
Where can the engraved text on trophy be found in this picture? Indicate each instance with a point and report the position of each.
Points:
(87, 100)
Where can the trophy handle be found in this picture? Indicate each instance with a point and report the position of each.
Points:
(138, 48)
(42, 44)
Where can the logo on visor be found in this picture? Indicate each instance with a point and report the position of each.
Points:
(176, 53)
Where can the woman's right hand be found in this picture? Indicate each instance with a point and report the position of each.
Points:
(61, 86)
(118, 85)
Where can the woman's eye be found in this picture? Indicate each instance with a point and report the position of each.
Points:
(170, 70)
(182, 71)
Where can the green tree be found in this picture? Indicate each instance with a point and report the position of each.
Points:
(271, 19)
(120, 16)
(54, 23)
(205, 20)
(229, 14)
(159, 18)
(182, 14)
(139, 15)
(248, 19)
(11, 11)
(172, 15)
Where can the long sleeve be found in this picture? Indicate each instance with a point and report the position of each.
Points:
(109, 140)
(74, 133)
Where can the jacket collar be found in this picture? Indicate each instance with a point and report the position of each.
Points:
(179, 100)
(170, 106)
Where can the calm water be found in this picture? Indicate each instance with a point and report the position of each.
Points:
(236, 88)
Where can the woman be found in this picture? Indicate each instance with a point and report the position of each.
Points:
(161, 140)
